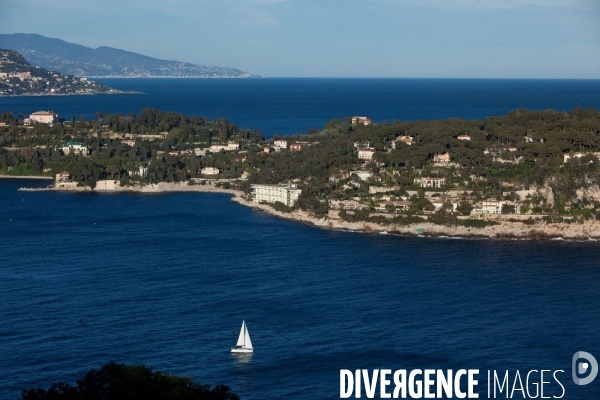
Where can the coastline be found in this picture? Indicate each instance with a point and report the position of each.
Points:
(504, 230)
(174, 77)
(161, 187)
(69, 94)
(26, 177)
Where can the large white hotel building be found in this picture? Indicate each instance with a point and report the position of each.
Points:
(287, 194)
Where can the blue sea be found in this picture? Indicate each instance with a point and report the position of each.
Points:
(291, 106)
(166, 279)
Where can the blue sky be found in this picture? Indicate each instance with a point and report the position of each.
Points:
(336, 38)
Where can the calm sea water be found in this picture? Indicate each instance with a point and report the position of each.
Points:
(288, 106)
(166, 280)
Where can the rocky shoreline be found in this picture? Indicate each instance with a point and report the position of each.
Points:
(589, 231)
(504, 230)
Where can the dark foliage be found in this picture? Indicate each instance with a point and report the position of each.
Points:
(122, 382)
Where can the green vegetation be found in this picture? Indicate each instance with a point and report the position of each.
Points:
(119, 381)
(279, 206)
(112, 158)
(532, 162)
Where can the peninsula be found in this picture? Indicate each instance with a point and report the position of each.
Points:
(19, 78)
(522, 175)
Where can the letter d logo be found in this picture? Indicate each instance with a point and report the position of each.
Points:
(582, 368)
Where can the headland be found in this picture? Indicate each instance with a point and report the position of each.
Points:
(523, 175)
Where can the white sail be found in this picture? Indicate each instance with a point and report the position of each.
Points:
(240, 341)
(248, 343)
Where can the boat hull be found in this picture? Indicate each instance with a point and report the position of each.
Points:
(241, 350)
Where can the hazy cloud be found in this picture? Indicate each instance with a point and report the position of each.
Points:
(500, 4)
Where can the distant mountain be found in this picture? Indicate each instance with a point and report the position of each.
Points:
(105, 62)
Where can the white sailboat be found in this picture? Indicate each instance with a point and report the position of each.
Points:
(244, 345)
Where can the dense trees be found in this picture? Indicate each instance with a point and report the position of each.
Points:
(111, 157)
(119, 381)
(516, 151)
(522, 148)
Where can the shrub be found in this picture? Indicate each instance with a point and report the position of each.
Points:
(279, 206)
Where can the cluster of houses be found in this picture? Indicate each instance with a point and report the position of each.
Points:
(390, 204)
(380, 199)
(283, 144)
(381, 202)
(20, 75)
(49, 82)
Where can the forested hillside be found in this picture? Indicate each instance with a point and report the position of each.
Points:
(495, 158)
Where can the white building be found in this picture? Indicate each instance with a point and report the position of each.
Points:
(431, 182)
(64, 182)
(63, 177)
(44, 117)
(392, 206)
(402, 139)
(362, 175)
(439, 204)
(79, 149)
(215, 148)
(495, 207)
(383, 189)
(567, 157)
(464, 137)
(140, 171)
(280, 144)
(286, 194)
(443, 158)
(361, 120)
(366, 154)
(209, 171)
(491, 207)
